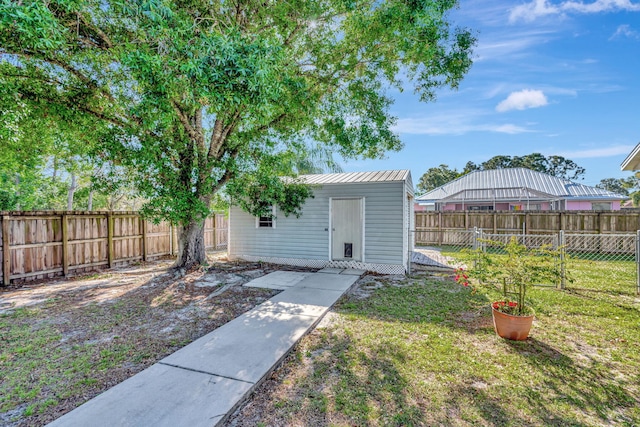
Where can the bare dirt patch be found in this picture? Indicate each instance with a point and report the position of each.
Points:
(63, 343)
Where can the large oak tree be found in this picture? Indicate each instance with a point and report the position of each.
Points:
(194, 95)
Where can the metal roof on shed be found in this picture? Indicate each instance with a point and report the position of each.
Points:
(517, 178)
(358, 177)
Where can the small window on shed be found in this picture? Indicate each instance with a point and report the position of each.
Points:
(267, 221)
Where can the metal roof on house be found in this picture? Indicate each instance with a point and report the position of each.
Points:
(515, 183)
(358, 177)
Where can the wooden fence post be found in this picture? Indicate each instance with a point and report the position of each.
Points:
(6, 251)
(65, 244)
(215, 231)
(110, 248)
(440, 232)
(144, 238)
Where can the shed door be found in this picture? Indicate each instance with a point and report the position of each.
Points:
(346, 223)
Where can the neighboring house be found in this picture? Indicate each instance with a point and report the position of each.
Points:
(627, 205)
(355, 220)
(632, 162)
(517, 189)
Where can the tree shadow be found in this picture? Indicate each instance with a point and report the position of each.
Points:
(341, 385)
(587, 384)
(567, 386)
(87, 334)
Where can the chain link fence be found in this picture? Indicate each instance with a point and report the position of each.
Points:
(574, 247)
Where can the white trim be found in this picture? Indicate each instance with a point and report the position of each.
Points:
(632, 162)
(273, 218)
(229, 231)
(362, 218)
(318, 263)
(364, 230)
(330, 229)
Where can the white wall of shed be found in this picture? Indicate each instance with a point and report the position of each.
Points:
(307, 237)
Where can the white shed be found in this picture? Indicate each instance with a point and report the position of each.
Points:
(361, 220)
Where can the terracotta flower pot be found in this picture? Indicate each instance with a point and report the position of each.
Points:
(511, 327)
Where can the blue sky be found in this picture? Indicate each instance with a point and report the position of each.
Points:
(549, 76)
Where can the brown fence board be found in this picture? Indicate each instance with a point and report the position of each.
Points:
(427, 224)
(39, 245)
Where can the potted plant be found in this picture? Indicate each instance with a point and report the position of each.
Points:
(513, 268)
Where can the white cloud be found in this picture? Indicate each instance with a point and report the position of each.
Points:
(625, 31)
(540, 8)
(600, 6)
(455, 123)
(531, 11)
(504, 45)
(522, 100)
(614, 150)
(508, 128)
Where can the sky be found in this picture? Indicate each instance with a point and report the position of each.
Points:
(549, 76)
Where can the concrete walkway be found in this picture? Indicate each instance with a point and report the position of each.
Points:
(200, 384)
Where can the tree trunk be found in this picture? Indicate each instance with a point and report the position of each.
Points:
(18, 192)
(90, 201)
(72, 189)
(191, 250)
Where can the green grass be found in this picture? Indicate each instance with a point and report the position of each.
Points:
(426, 354)
(36, 365)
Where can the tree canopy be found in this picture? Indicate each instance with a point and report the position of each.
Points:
(195, 95)
(617, 185)
(436, 177)
(629, 186)
(552, 165)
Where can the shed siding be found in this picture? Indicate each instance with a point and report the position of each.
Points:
(306, 237)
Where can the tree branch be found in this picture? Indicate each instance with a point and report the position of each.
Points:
(185, 122)
(82, 77)
(199, 130)
(229, 174)
(216, 138)
(103, 36)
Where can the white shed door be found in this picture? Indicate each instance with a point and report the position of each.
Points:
(346, 223)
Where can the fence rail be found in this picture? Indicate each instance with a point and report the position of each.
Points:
(529, 222)
(38, 245)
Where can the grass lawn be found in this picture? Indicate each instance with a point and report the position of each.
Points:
(422, 351)
(92, 333)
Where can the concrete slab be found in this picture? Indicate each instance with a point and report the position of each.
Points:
(160, 396)
(278, 280)
(302, 301)
(246, 348)
(330, 270)
(332, 282)
(353, 272)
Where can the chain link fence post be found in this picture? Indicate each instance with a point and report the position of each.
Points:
(474, 242)
(563, 259)
(638, 262)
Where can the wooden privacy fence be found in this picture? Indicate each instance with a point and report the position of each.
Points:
(431, 224)
(38, 245)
